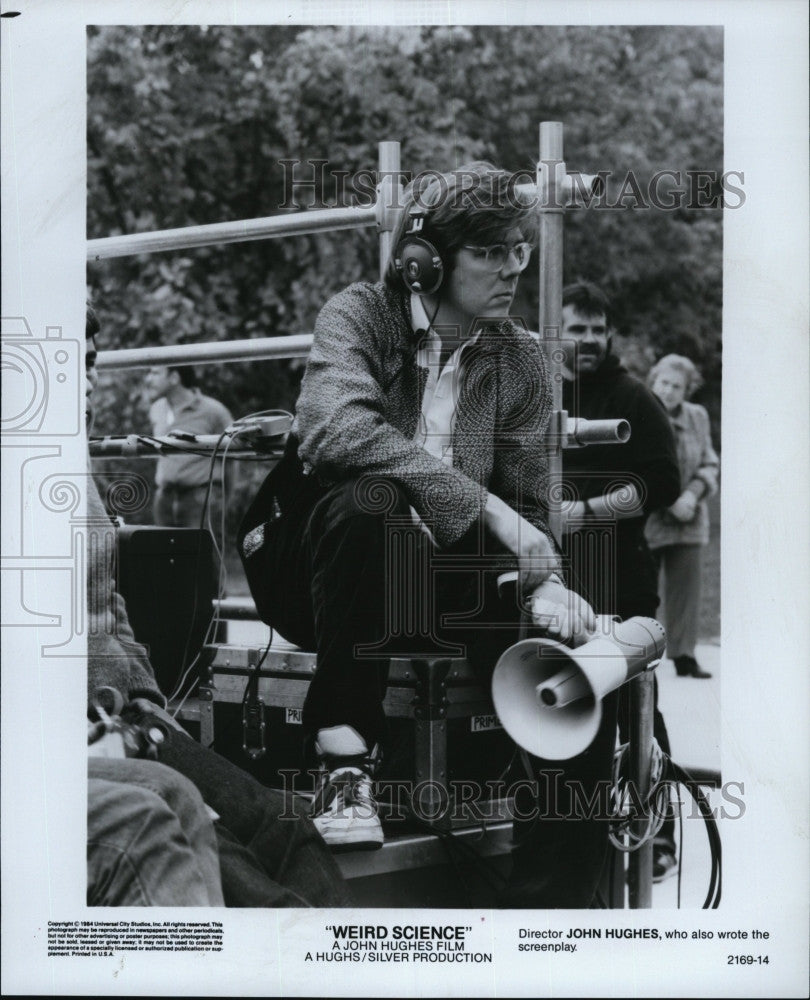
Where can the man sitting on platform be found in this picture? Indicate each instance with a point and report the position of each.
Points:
(423, 403)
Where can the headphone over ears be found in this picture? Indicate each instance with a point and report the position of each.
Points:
(416, 259)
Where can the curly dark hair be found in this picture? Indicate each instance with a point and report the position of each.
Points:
(588, 299)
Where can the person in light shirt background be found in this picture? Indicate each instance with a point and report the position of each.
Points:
(181, 479)
(679, 533)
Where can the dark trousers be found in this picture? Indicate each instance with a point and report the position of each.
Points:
(559, 848)
(356, 580)
(359, 582)
(595, 576)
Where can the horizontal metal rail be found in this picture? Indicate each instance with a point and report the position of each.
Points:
(270, 445)
(138, 446)
(383, 215)
(240, 231)
(295, 346)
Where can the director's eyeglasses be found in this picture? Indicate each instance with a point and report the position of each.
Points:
(497, 255)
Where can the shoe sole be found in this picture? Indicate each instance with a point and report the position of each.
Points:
(363, 845)
(361, 838)
(355, 840)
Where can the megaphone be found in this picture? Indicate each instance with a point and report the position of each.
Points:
(548, 697)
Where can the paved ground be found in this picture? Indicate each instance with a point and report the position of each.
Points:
(691, 711)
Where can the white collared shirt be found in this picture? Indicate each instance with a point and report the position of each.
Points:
(434, 431)
(437, 420)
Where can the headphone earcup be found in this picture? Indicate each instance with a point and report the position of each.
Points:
(419, 264)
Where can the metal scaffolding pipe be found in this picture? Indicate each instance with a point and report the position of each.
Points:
(583, 432)
(274, 348)
(572, 189)
(642, 706)
(137, 446)
(324, 220)
(550, 170)
(389, 198)
(242, 231)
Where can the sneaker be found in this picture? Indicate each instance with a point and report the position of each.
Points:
(665, 864)
(344, 810)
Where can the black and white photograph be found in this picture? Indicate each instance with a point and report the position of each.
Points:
(418, 571)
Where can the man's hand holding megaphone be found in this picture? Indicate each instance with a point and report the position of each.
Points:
(548, 693)
(562, 613)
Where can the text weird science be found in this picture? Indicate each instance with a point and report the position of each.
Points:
(400, 943)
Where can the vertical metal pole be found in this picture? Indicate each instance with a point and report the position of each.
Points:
(550, 174)
(388, 197)
(642, 695)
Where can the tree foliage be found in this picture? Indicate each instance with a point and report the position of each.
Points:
(187, 125)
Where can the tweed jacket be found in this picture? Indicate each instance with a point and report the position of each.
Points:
(361, 399)
(699, 467)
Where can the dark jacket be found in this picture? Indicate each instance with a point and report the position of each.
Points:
(648, 460)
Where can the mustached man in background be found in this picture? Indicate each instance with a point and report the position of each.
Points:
(614, 488)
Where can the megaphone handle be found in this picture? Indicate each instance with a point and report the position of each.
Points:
(601, 626)
(523, 624)
(510, 579)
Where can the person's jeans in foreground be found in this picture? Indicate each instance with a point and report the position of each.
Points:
(150, 840)
(270, 853)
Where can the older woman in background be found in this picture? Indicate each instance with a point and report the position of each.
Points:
(677, 534)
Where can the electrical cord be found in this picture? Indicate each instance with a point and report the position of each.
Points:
(624, 815)
(410, 354)
(233, 431)
(459, 848)
(452, 842)
(253, 678)
(185, 669)
(680, 856)
(664, 773)
(682, 777)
